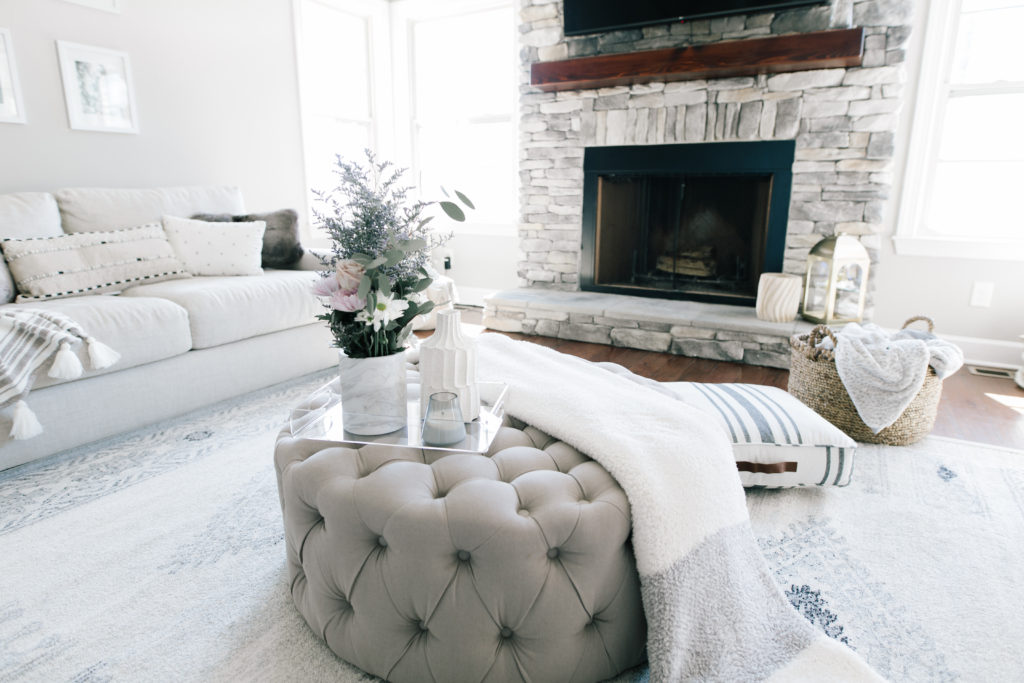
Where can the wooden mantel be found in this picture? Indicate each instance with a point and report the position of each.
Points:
(777, 54)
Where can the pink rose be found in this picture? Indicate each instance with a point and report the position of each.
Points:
(348, 273)
(346, 302)
(326, 286)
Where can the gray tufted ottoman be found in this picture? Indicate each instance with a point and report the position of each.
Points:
(422, 566)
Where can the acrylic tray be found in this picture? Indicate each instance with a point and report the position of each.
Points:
(322, 419)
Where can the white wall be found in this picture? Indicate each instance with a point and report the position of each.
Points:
(941, 287)
(216, 90)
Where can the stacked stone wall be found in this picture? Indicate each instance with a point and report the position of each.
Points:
(843, 121)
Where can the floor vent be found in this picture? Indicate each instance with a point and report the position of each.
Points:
(990, 372)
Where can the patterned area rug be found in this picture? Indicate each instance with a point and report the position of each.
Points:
(159, 555)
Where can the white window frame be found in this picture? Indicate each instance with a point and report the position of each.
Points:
(911, 237)
(376, 13)
(404, 15)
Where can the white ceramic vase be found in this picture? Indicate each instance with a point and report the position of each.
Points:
(778, 297)
(448, 363)
(373, 393)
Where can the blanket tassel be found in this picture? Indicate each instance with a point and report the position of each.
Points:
(25, 425)
(100, 355)
(65, 364)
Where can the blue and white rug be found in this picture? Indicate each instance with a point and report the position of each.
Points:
(159, 555)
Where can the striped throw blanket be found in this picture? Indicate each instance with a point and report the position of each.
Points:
(28, 339)
(713, 611)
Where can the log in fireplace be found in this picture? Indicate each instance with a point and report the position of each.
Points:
(685, 221)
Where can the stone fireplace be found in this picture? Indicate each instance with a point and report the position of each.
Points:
(840, 123)
(699, 222)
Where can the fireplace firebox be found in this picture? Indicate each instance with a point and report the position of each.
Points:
(685, 221)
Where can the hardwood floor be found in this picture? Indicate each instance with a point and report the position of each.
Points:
(986, 409)
(973, 408)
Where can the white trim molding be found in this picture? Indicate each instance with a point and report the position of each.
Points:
(949, 247)
(996, 353)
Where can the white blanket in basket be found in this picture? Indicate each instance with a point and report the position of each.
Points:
(883, 372)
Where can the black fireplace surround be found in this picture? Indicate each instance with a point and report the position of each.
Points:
(685, 221)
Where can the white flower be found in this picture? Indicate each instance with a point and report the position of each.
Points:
(388, 308)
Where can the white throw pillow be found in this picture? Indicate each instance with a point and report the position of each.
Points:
(214, 248)
(90, 262)
(777, 440)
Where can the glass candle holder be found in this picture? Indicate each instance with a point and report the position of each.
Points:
(443, 425)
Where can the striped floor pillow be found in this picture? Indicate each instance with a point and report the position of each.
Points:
(777, 440)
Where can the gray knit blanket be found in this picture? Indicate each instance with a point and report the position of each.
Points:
(28, 339)
(713, 611)
(883, 372)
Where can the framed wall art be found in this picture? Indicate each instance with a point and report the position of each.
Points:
(12, 106)
(97, 88)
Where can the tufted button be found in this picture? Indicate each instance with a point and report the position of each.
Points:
(506, 632)
(524, 512)
(381, 542)
(464, 555)
(423, 626)
(552, 553)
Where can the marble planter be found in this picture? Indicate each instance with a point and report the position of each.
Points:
(448, 363)
(373, 393)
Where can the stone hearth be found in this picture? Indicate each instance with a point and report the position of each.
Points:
(843, 121)
(688, 328)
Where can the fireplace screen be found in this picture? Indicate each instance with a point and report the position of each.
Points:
(693, 221)
(700, 234)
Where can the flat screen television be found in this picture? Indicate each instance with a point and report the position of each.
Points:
(593, 16)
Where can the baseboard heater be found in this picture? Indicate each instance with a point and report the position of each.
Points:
(990, 372)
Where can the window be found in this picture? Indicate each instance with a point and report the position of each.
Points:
(340, 44)
(463, 109)
(966, 166)
(431, 85)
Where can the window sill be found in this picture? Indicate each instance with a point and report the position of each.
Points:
(948, 247)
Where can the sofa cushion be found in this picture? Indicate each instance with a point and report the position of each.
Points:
(216, 248)
(227, 309)
(142, 330)
(29, 214)
(90, 262)
(95, 209)
(25, 214)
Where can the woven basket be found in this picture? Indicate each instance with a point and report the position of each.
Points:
(813, 379)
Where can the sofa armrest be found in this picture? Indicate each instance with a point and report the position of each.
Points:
(311, 259)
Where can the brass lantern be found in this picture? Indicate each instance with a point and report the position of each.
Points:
(837, 280)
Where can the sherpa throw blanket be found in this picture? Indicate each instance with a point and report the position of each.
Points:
(713, 611)
(29, 338)
(883, 372)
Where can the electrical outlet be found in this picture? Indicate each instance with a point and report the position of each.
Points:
(981, 294)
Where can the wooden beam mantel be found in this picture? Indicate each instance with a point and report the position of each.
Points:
(798, 52)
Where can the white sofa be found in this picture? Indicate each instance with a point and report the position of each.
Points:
(183, 343)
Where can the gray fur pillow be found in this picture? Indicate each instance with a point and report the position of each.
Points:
(281, 248)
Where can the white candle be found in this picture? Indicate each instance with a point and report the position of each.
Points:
(440, 432)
